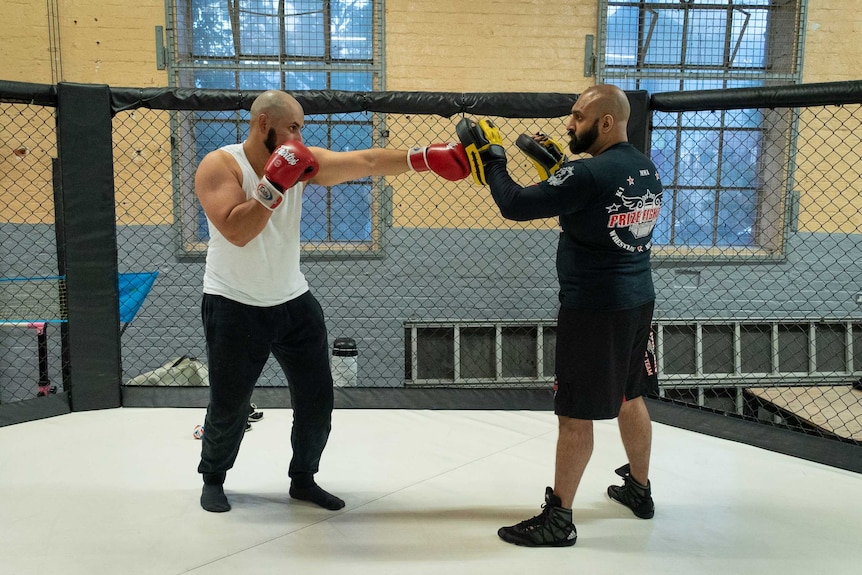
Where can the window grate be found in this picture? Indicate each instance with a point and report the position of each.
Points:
(707, 355)
(715, 166)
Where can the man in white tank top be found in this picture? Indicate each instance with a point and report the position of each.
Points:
(256, 301)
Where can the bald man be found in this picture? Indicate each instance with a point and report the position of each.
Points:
(256, 301)
(607, 205)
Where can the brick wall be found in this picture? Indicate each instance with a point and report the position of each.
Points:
(447, 45)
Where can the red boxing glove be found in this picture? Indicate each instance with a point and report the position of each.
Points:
(290, 163)
(446, 160)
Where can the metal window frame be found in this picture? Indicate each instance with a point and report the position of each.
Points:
(182, 129)
(777, 222)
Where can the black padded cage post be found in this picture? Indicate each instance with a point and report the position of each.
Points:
(88, 223)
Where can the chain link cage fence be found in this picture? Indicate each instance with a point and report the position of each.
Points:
(31, 289)
(756, 254)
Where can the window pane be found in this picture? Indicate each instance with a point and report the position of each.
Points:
(259, 80)
(216, 129)
(736, 214)
(626, 83)
(202, 230)
(694, 214)
(436, 353)
(705, 45)
(663, 153)
(315, 134)
(702, 84)
(700, 118)
(315, 211)
(679, 349)
(478, 358)
(792, 349)
(830, 348)
(663, 231)
(214, 78)
(211, 30)
(744, 83)
(347, 137)
(549, 351)
(519, 352)
(303, 28)
(351, 209)
(656, 85)
(622, 42)
(750, 118)
(258, 27)
(739, 155)
(665, 44)
(359, 81)
(304, 80)
(698, 161)
(665, 119)
(749, 31)
(717, 349)
(212, 135)
(756, 348)
(351, 29)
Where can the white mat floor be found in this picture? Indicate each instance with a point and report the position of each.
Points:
(116, 492)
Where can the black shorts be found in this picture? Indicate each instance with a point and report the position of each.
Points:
(602, 360)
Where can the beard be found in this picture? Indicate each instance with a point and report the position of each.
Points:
(580, 145)
(270, 140)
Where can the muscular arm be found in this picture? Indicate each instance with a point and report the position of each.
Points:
(218, 185)
(339, 167)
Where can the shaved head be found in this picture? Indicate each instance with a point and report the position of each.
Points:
(277, 105)
(607, 99)
(599, 118)
(276, 117)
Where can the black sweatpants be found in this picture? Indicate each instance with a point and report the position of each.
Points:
(240, 339)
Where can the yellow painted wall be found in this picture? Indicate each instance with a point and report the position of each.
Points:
(107, 42)
(833, 42)
(487, 45)
(445, 45)
(833, 53)
(24, 42)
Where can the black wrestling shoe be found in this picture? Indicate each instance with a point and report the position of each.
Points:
(553, 527)
(253, 414)
(632, 494)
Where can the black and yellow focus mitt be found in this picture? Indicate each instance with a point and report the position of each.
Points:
(483, 144)
(546, 154)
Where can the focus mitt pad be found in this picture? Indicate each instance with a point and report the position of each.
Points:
(483, 145)
(546, 154)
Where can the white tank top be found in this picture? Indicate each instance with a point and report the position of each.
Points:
(265, 272)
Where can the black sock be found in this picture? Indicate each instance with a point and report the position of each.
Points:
(315, 494)
(213, 499)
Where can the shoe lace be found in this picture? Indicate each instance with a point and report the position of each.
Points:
(542, 518)
(633, 494)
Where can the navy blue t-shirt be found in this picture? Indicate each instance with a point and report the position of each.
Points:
(608, 206)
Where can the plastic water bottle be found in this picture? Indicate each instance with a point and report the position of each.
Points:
(343, 365)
